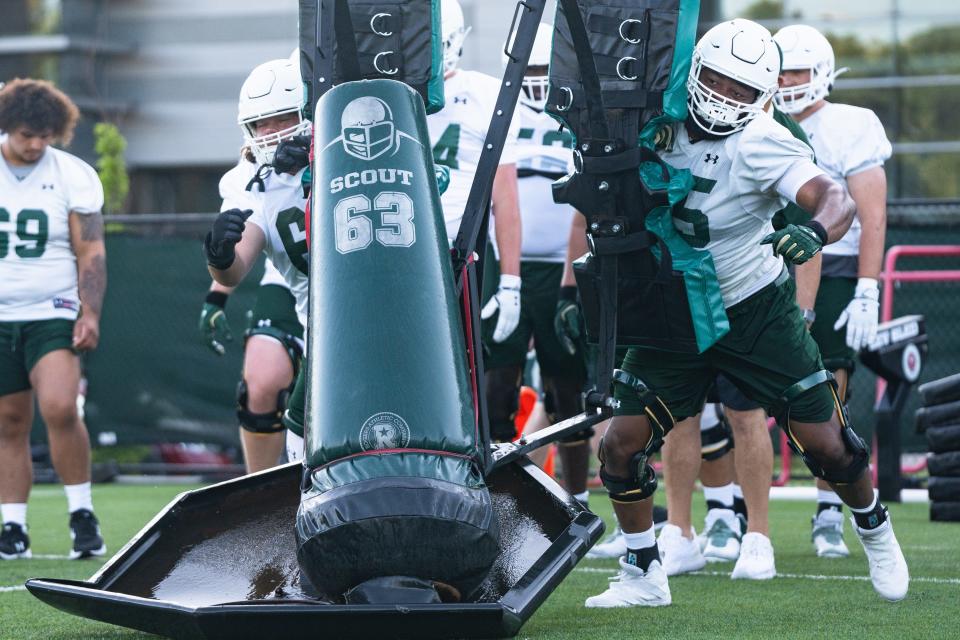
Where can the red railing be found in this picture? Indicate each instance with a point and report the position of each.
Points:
(889, 278)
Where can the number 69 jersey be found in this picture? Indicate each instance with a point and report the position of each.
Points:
(38, 268)
(740, 181)
(457, 133)
(279, 212)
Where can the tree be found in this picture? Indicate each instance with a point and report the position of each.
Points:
(110, 144)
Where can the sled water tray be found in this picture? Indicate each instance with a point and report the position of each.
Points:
(220, 562)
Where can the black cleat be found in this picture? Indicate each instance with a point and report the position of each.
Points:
(85, 531)
(14, 542)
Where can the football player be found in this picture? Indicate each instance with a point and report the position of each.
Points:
(457, 133)
(746, 167)
(269, 112)
(851, 146)
(53, 276)
(542, 157)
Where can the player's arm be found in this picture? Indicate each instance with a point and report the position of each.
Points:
(576, 247)
(505, 200)
(807, 278)
(869, 190)
(567, 322)
(86, 239)
(833, 210)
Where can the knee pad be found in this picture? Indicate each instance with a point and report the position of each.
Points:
(291, 344)
(853, 443)
(270, 422)
(639, 485)
(503, 401)
(562, 399)
(717, 440)
(661, 420)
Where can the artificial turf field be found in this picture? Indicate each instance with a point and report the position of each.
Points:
(811, 597)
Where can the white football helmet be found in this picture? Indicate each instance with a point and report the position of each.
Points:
(744, 51)
(805, 48)
(453, 32)
(273, 88)
(534, 86)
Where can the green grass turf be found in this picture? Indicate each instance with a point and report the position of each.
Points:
(704, 606)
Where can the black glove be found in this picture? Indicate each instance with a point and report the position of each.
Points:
(292, 154)
(568, 321)
(227, 231)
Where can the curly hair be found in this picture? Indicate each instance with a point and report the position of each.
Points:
(39, 106)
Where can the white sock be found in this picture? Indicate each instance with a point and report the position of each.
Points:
(582, 497)
(737, 491)
(873, 504)
(723, 495)
(15, 512)
(78, 496)
(828, 497)
(640, 540)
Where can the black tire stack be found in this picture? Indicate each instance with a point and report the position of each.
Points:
(939, 418)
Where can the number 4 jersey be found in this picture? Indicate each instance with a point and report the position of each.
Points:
(38, 268)
(279, 212)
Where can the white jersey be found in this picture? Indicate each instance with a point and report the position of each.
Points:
(543, 153)
(38, 268)
(279, 212)
(457, 133)
(740, 182)
(847, 140)
(233, 191)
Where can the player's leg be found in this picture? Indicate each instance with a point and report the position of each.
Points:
(55, 377)
(294, 417)
(772, 348)
(16, 469)
(722, 529)
(635, 433)
(681, 466)
(832, 297)
(272, 353)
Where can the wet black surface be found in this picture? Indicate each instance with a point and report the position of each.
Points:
(222, 546)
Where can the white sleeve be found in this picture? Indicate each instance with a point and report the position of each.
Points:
(770, 160)
(86, 191)
(871, 147)
(233, 187)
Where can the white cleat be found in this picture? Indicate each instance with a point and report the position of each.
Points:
(722, 536)
(613, 546)
(756, 558)
(828, 535)
(634, 587)
(888, 569)
(679, 554)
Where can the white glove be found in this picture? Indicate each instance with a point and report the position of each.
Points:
(861, 314)
(507, 299)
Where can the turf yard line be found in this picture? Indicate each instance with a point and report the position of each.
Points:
(49, 556)
(793, 576)
(18, 587)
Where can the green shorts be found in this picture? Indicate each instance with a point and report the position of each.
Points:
(277, 308)
(833, 296)
(767, 350)
(540, 285)
(22, 344)
(295, 415)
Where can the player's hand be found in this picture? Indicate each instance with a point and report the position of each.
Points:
(861, 315)
(227, 230)
(292, 154)
(213, 325)
(796, 243)
(507, 300)
(86, 332)
(567, 320)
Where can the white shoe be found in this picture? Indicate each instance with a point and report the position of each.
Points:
(634, 587)
(756, 558)
(828, 534)
(888, 569)
(613, 546)
(680, 555)
(722, 536)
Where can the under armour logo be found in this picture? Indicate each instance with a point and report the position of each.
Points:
(44, 187)
(459, 100)
(710, 157)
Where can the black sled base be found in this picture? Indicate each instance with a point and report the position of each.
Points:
(220, 562)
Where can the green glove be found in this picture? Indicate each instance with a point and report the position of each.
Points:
(567, 320)
(797, 243)
(442, 174)
(213, 324)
